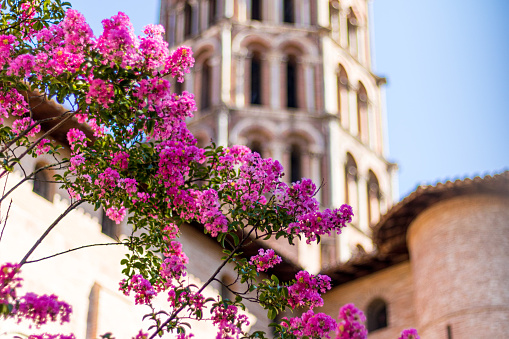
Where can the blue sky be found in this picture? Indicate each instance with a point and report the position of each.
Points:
(447, 64)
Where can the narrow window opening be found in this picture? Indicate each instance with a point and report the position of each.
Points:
(256, 146)
(256, 10)
(108, 226)
(449, 332)
(377, 315)
(374, 196)
(212, 11)
(42, 185)
(288, 11)
(205, 85)
(291, 83)
(295, 164)
(256, 80)
(188, 20)
(362, 110)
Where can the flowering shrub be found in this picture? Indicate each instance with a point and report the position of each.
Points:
(135, 153)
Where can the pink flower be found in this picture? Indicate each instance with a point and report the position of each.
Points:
(179, 62)
(306, 290)
(9, 282)
(409, 334)
(41, 309)
(141, 286)
(51, 336)
(349, 326)
(173, 267)
(141, 335)
(228, 321)
(43, 147)
(311, 325)
(100, 92)
(21, 125)
(265, 260)
(76, 138)
(116, 214)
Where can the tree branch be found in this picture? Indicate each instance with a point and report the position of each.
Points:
(71, 250)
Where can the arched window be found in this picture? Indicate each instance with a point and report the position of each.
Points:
(42, 184)
(291, 82)
(288, 11)
(373, 199)
(351, 188)
(362, 113)
(108, 226)
(334, 19)
(256, 79)
(256, 146)
(188, 20)
(256, 10)
(377, 315)
(342, 83)
(212, 11)
(295, 163)
(206, 87)
(352, 32)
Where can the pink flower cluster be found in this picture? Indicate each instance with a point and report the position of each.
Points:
(12, 103)
(256, 176)
(173, 267)
(117, 214)
(7, 43)
(101, 92)
(349, 326)
(315, 224)
(306, 290)
(141, 286)
(41, 309)
(206, 208)
(20, 125)
(43, 147)
(311, 325)
(179, 62)
(76, 138)
(141, 335)
(51, 336)
(265, 260)
(194, 300)
(228, 321)
(9, 281)
(410, 333)
(153, 48)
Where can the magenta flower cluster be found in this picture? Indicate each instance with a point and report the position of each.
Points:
(9, 282)
(228, 321)
(41, 309)
(144, 292)
(350, 323)
(409, 334)
(265, 260)
(310, 325)
(307, 289)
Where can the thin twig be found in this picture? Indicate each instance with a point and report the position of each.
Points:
(71, 250)
(49, 229)
(5, 221)
(176, 312)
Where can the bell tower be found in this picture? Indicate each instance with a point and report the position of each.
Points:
(292, 80)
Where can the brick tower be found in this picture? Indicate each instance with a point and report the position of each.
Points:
(292, 80)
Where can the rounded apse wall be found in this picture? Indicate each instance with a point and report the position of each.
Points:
(459, 250)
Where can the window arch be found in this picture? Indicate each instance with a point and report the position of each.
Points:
(342, 83)
(256, 79)
(377, 315)
(256, 10)
(362, 113)
(374, 196)
(288, 11)
(351, 183)
(295, 163)
(42, 184)
(352, 25)
(206, 85)
(212, 11)
(188, 20)
(291, 82)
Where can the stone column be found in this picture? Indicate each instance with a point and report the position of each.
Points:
(275, 79)
(226, 68)
(352, 111)
(240, 63)
(309, 77)
(222, 127)
(363, 202)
